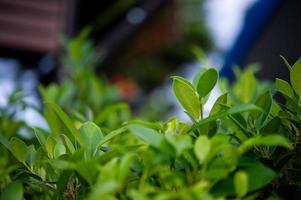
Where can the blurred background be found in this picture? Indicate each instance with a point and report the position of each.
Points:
(136, 45)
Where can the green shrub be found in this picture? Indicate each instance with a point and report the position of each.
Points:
(246, 148)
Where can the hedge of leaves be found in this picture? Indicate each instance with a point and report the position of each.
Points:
(247, 147)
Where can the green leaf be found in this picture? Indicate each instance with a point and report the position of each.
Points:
(151, 137)
(52, 120)
(110, 169)
(124, 167)
(241, 183)
(148, 135)
(202, 147)
(88, 170)
(265, 103)
(219, 104)
(223, 157)
(59, 149)
(272, 126)
(289, 67)
(284, 87)
(197, 77)
(183, 128)
(269, 140)
(31, 158)
(208, 129)
(39, 157)
(91, 135)
(230, 154)
(63, 164)
(199, 54)
(68, 144)
(50, 146)
(67, 121)
(244, 88)
(19, 149)
(207, 82)
(259, 174)
(179, 142)
(41, 135)
(50, 93)
(111, 135)
(103, 190)
(217, 170)
(241, 123)
(152, 125)
(295, 75)
(13, 191)
(231, 111)
(187, 96)
(171, 126)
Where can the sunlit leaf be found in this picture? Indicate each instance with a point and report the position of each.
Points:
(295, 74)
(31, 157)
(68, 143)
(52, 120)
(50, 146)
(41, 135)
(179, 142)
(19, 149)
(101, 190)
(202, 147)
(151, 137)
(265, 103)
(91, 135)
(59, 149)
(219, 104)
(241, 183)
(284, 87)
(187, 96)
(66, 120)
(244, 88)
(207, 82)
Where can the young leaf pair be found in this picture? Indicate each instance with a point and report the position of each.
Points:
(193, 96)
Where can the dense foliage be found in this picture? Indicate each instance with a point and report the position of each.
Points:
(247, 147)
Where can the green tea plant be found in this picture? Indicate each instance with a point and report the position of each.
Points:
(244, 149)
